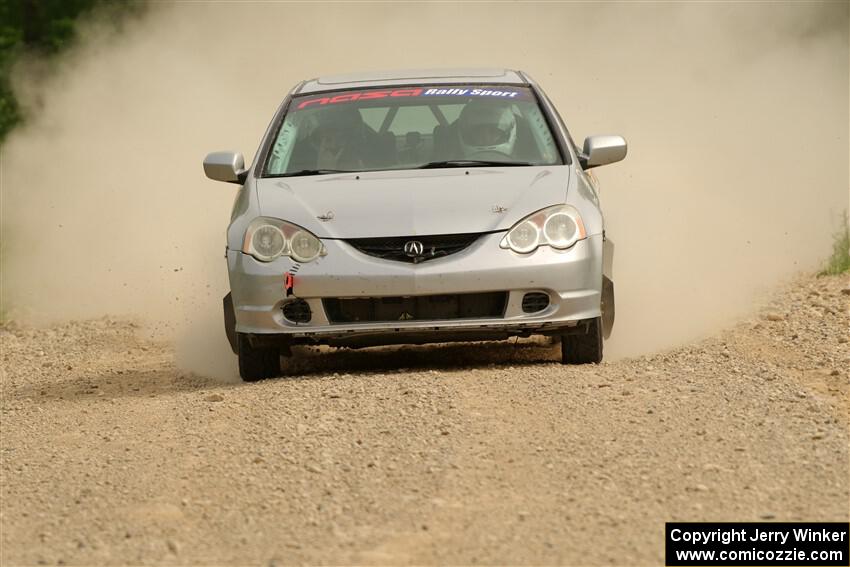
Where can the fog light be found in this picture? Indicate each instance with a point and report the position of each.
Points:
(534, 302)
(297, 311)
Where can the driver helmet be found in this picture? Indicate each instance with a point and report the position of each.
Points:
(487, 126)
(337, 138)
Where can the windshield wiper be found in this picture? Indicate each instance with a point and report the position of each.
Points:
(311, 172)
(472, 163)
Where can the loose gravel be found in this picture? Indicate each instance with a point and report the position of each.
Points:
(461, 454)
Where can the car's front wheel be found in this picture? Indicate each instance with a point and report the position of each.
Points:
(255, 362)
(584, 345)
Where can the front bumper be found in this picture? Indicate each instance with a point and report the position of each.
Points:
(571, 278)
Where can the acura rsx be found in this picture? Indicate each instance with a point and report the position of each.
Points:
(414, 207)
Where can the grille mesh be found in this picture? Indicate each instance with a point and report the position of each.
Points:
(392, 248)
(425, 307)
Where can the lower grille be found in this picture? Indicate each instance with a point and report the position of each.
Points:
(419, 248)
(418, 308)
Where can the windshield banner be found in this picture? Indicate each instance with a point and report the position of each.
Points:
(498, 92)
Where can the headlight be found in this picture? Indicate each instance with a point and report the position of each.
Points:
(524, 237)
(267, 239)
(304, 246)
(268, 242)
(559, 227)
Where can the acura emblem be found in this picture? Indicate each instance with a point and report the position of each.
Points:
(414, 248)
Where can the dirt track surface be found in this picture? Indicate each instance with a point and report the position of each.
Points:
(443, 454)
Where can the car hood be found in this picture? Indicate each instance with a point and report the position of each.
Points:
(412, 202)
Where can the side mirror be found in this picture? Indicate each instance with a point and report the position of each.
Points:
(602, 150)
(226, 166)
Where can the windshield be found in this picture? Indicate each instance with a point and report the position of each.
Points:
(411, 127)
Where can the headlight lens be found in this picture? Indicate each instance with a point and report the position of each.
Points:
(559, 227)
(524, 237)
(268, 239)
(560, 230)
(268, 242)
(304, 246)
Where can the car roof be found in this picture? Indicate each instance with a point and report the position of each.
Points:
(412, 77)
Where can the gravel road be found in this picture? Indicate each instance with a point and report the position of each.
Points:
(461, 454)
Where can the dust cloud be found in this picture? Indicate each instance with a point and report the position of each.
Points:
(736, 116)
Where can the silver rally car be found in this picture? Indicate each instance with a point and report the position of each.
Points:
(414, 207)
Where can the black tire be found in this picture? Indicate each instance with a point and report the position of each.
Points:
(585, 346)
(257, 363)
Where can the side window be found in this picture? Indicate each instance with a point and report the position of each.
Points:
(545, 144)
(281, 150)
(413, 119)
(562, 124)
